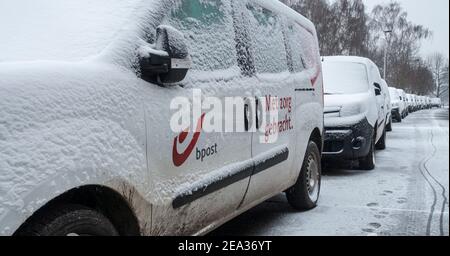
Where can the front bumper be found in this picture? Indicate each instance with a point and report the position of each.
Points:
(348, 143)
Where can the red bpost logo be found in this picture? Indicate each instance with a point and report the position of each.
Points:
(180, 158)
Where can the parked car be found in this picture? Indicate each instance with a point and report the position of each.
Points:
(87, 145)
(422, 102)
(436, 102)
(402, 95)
(387, 104)
(398, 105)
(416, 102)
(428, 100)
(355, 122)
(410, 100)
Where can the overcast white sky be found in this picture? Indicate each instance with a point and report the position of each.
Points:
(433, 14)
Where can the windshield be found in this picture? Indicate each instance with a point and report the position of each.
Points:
(394, 93)
(345, 77)
(59, 30)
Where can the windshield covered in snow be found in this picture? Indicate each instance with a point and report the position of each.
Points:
(394, 93)
(59, 30)
(342, 77)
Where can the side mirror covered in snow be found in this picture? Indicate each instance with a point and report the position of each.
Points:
(168, 60)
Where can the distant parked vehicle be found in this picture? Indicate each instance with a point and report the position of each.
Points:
(355, 121)
(398, 105)
(387, 104)
(402, 94)
(436, 103)
(403, 98)
(411, 104)
(428, 100)
(422, 102)
(416, 102)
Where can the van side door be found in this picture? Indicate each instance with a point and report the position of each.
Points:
(199, 175)
(273, 149)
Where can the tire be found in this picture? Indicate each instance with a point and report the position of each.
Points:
(68, 220)
(368, 162)
(304, 195)
(389, 126)
(381, 145)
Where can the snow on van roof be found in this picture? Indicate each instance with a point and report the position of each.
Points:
(355, 59)
(289, 12)
(74, 30)
(69, 30)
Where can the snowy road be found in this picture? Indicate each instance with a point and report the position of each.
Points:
(406, 195)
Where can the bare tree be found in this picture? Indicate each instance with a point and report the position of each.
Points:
(403, 42)
(345, 28)
(437, 65)
(352, 32)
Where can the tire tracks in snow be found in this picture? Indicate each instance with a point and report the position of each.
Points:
(426, 173)
(444, 190)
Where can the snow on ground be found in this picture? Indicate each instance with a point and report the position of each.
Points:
(394, 199)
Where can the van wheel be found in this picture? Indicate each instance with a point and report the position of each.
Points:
(368, 163)
(381, 145)
(304, 195)
(68, 220)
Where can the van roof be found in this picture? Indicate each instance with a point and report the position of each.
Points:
(354, 59)
(281, 8)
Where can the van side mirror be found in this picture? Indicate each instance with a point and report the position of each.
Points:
(377, 89)
(168, 60)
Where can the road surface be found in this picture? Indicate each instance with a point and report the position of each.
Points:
(407, 194)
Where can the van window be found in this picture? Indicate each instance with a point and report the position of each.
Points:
(309, 49)
(295, 47)
(342, 77)
(208, 30)
(267, 40)
(375, 73)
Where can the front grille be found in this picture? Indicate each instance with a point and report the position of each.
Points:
(333, 146)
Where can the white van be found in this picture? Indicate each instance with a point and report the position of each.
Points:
(403, 98)
(410, 101)
(355, 121)
(415, 102)
(86, 140)
(398, 105)
(387, 104)
(422, 102)
(436, 103)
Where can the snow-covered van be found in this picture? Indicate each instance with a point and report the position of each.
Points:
(428, 100)
(403, 98)
(410, 101)
(89, 90)
(414, 102)
(355, 121)
(398, 105)
(422, 102)
(387, 104)
(436, 103)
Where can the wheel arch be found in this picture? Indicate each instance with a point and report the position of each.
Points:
(317, 137)
(107, 201)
